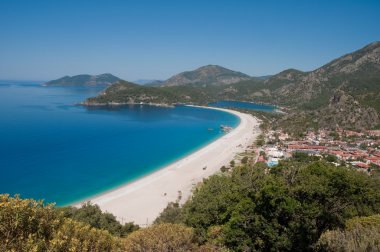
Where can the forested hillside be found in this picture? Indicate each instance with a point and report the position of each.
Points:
(84, 80)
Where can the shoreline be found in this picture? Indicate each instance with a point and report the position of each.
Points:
(142, 200)
(105, 104)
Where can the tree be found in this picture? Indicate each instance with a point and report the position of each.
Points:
(209, 205)
(232, 163)
(223, 169)
(244, 160)
(171, 214)
(93, 216)
(331, 158)
(260, 141)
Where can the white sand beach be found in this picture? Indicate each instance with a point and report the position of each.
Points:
(143, 200)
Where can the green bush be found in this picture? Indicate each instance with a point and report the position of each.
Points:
(93, 216)
(29, 225)
(161, 237)
(285, 210)
(360, 234)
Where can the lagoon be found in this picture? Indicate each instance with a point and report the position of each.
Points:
(243, 105)
(52, 149)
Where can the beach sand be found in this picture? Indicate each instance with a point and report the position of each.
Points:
(143, 200)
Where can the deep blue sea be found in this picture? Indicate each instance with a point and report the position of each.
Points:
(243, 105)
(54, 150)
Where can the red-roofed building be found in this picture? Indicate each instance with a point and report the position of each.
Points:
(261, 159)
(377, 163)
(362, 165)
(373, 132)
(353, 133)
(373, 158)
(306, 147)
(377, 154)
(338, 153)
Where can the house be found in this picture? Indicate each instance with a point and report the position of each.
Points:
(361, 165)
(261, 159)
(373, 132)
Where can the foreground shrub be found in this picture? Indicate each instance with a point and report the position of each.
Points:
(26, 225)
(360, 234)
(29, 225)
(77, 236)
(161, 237)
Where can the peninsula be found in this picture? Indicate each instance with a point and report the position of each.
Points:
(84, 80)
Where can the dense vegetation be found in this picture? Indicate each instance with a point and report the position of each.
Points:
(287, 209)
(302, 204)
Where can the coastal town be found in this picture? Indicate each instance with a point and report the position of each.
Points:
(360, 150)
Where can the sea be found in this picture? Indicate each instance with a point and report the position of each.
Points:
(53, 149)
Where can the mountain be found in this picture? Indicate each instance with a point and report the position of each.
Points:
(357, 73)
(345, 93)
(84, 80)
(206, 75)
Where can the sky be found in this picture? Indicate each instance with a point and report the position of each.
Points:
(142, 39)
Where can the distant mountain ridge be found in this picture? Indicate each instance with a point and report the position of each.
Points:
(344, 93)
(84, 80)
(206, 75)
(347, 72)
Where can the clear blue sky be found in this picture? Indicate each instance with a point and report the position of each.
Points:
(133, 39)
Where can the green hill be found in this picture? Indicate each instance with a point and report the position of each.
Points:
(84, 80)
(206, 75)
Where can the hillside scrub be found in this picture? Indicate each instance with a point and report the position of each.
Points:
(287, 209)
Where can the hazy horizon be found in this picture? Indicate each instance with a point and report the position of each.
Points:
(44, 40)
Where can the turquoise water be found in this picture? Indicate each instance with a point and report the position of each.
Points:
(54, 150)
(243, 105)
(272, 163)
